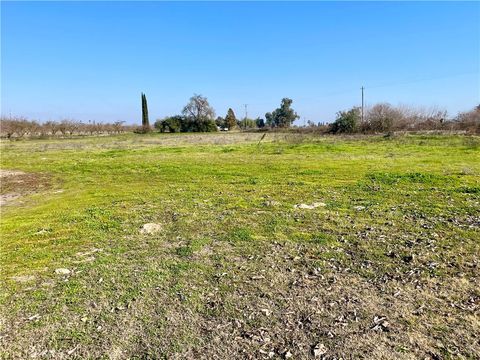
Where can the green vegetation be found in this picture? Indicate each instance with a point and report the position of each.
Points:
(283, 116)
(197, 117)
(230, 119)
(383, 265)
(346, 121)
(145, 121)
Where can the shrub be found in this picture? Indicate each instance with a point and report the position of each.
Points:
(141, 130)
(346, 121)
(171, 124)
(179, 123)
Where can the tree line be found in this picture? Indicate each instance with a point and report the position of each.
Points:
(199, 116)
(385, 118)
(18, 127)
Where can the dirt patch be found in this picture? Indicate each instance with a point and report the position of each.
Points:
(15, 184)
(7, 198)
(23, 278)
(8, 173)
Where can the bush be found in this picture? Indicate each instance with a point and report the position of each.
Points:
(203, 125)
(179, 123)
(346, 121)
(171, 124)
(142, 130)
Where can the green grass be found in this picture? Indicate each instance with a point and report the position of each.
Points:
(209, 192)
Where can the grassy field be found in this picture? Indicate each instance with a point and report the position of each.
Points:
(384, 266)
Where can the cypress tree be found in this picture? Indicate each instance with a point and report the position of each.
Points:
(230, 120)
(145, 122)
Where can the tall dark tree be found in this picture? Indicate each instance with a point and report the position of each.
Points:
(260, 122)
(145, 122)
(230, 119)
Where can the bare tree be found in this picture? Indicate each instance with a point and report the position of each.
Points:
(382, 117)
(118, 126)
(19, 127)
(7, 127)
(53, 127)
(469, 121)
(198, 109)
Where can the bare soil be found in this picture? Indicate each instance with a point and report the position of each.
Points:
(16, 184)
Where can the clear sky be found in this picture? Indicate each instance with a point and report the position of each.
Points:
(91, 60)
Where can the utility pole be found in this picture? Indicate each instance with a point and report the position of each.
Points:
(246, 114)
(362, 102)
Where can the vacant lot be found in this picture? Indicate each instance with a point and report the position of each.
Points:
(296, 247)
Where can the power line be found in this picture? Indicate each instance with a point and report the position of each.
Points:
(398, 83)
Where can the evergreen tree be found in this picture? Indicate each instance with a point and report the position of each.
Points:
(230, 119)
(145, 122)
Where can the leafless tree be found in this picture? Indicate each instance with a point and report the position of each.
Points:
(382, 117)
(198, 108)
(469, 121)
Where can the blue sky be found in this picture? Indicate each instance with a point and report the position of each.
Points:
(91, 60)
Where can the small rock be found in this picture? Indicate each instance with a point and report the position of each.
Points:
(271, 203)
(288, 355)
(266, 312)
(302, 206)
(70, 352)
(150, 228)
(309, 207)
(34, 317)
(319, 350)
(380, 323)
(257, 277)
(62, 271)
